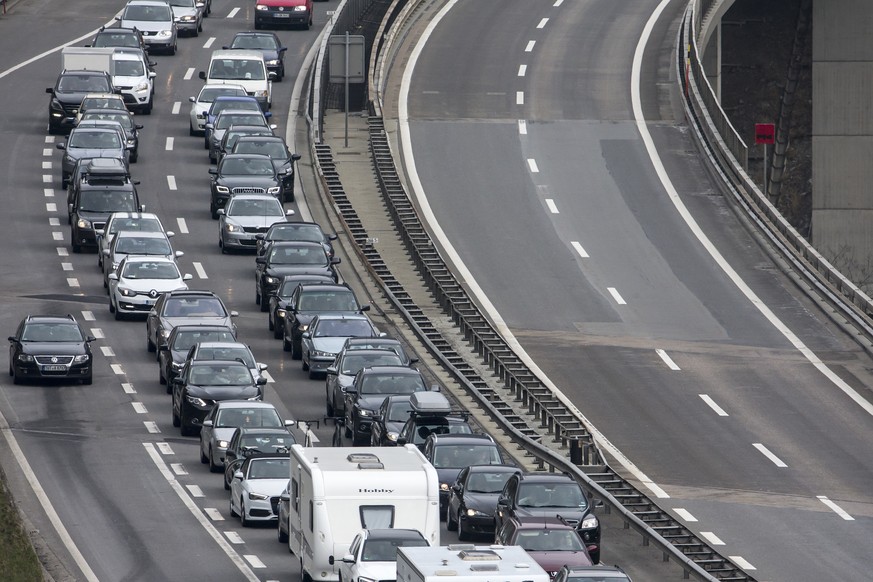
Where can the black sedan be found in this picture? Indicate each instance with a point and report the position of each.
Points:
(172, 355)
(242, 174)
(268, 44)
(50, 347)
(293, 231)
(203, 383)
(289, 258)
(275, 147)
(280, 300)
(473, 499)
(391, 416)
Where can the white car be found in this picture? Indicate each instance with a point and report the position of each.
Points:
(132, 221)
(133, 78)
(188, 15)
(200, 104)
(373, 553)
(136, 284)
(256, 487)
(152, 244)
(227, 416)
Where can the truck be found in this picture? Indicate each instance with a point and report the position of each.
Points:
(78, 58)
(468, 563)
(335, 492)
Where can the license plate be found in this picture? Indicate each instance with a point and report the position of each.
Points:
(54, 368)
(282, 15)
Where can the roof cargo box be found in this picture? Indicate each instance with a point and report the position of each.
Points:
(432, 403)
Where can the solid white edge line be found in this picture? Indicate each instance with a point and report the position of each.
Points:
(769, 454)
(711, 403)
(466, 275)
(198, 515)
(835, 508)
(670, 189)
(667, 359)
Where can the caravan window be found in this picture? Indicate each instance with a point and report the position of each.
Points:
(377, 516)
(295, 496)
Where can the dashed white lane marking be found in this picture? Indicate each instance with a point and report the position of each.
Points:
(73, 282)
(51, 207)
(47, 152)
(543, 23)
(46, 165)
(49, 139)
(200, 271)
(49, 192)
(67, 266)
(194, 490)
(712, 538)
(107, 351)
(233, 537)
(233, 12)
(54, 221)
(558, 2)
(62, 252)
(128, 388)
(151, 426)
(530, 46)
(177, 107)
(209, 42)
(88, 316)
(57, 235)
(836, 508)
(578, 248)
(171, 182)
(615, 295)
(178, 468)
(189, 73)
(522, 127)
(213, 514)
(532, 165)
(183, 226)
(254, 561)
(46, 178)
(553, 208)
(767, 453)
(169, 145)
(711, 403)
(522, 69)
(742, 563)
(117, 369)
(165, 449)
(97, 332)
(139, 407)
(667, 359)
(519, 97)
(684, 514)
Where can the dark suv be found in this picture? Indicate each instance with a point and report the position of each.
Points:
(172, 355)
(50, 347)
(371, 386)
(534, 496)
(186, 307)
(103, 188)
(67, 94)
(309, 300)
(242, 174)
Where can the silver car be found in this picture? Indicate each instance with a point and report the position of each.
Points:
(246, 216)
(131, 221)
(325, 338)
(154, 20)
(227, 416)
(188, 15)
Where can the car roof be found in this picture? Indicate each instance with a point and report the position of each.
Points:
(252, 197)
(337, 316)
(148, 259)
(247, 430)
(247, 157)
(147, 3)
(264, 138)
(103, 96)
(137, 215)
(51, 318)
(364, 353)
(394, 370)
(245, 404)
(462, 439)
(222, 345)
(543, 522)
(191, 293)
(237, 54)
(237, 111)
(199, 327)
(246, 127)
(141, 234)
(547, 478)
(599, 571)
(494, 469)
(223, 85)
(289, 243)
(304, 287)
(106, 111)
(198, 363)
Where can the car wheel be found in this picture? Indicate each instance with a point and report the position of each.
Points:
(221, 246)
(242, 514)
(257, 26)
(214, 212)
(173, 49)
(88, 380)
(135, 157)
(213, 468)
(304, 576)
(226, 483)
(15, 378)
(161, 378)
(330, 406)
(463, 534)
(184, 427)
(305, 364)
(264, 302)
(111, 305)
(191, 130)
(203, 458)
(76, 248)
(313, 375)
(150, 345)
(200, 27)
(176, 420)
(258, 297)
(452, 524)
(347, 429)
(233, 512)
(296, 350)
(283, 535)
(279, 330)
(288, 347)
(270, 325)
(118, 315)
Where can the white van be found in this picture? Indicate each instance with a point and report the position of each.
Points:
(242, 67)
(335, 492)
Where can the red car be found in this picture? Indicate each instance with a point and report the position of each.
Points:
(550, 541)
(273, 13)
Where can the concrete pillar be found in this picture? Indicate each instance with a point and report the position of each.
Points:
(711, 60)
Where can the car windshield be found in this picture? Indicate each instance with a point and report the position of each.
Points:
(107, 201)
(291, 283)
(275, 149)
(245, 104)
(375, 344)
(52, 332)
(481, 482)
(148, 13)
(194, 307)
(185, 3)
(267, 207)
(327, 301)
(116, 39)
(447, 456)
(122, 118)
(94, 140)
(84, 84)
(208, 94)
(102, 103)
(247, 69)
(298, 256)
(398, 411)
(382, 383)
(128, 68)
(425, 428)
(134, 245)
(386, 550)
(246, 166)
(269, 469)
(546, 540)
(551, 495)
(135, 224)
(150, 270)
(343, 328)
(225, 121)
(220, 375)
(352, 363)
(255, 41)
(302, 232)
(248, 417)
(266, 443)
(227, 353)
(185, 339)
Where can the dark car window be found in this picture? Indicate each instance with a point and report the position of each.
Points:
(460, 456)
(267, 443)
(149, 270)
(194, 307)
(116, 39)
(480, 482)
(298, 256)
(386, 550)
(398, 412)
(551, 495)
(83, 84)
(95, 140)
(254, 41)
(327, 300)
(248, 417)
(274, 149)
(148, 13)
(255, 208)
(220, 375)
(352, 363)
(560, 540)
(225, 121)
(222, 104)
(342, 328)
(269, 469)
(185, 339)
(246, 166)
(52, 332)
(307, 232)
(121, 117)
(392, 384)
(143, 246)
(425, 428)
(208, 95)
(137, 224)
(107, 201)
(227, 353)
(127, 68)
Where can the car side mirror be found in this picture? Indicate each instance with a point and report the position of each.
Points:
(261, 381)
(331, 371)
(49, 90)
(260, 236)
(413, 361)
(187, 277)
(179, 254)
(336, 261)
(152, 74)
(330, 560)
(61, 146)
(282, 49)
(289, 423)
(435, 388)
(364, 308)
(112, 277)
(138, 126)
(202, 75)
(260, 260)
(401, 441)
(349, 559)
(213, 171)
(142, 207)
(305, 335)
(234, 313)
(455, 487)
(295, 157)
(192, 99)
(170, 234)
(238, 475)
(100, 232)
(285, 497)
(208, 423)
(220, 212)
(273, 126)
(289, 212)
(273, 75)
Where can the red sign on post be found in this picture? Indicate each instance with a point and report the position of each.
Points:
(765, 133)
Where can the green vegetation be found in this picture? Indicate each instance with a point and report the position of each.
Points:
(18, 561)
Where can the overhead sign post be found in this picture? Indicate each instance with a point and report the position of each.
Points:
(765, 134)
(346, 64)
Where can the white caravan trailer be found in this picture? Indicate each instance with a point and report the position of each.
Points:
(468, 563)
(337, 491)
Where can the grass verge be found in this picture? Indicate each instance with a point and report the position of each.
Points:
(18, 560)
